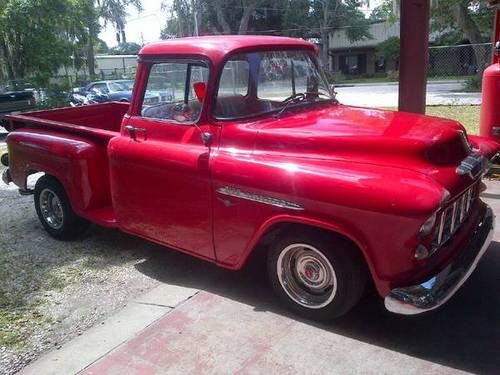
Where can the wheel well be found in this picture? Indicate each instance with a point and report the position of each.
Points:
(260, 248)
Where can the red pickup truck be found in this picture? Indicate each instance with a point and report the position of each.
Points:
(251, 150)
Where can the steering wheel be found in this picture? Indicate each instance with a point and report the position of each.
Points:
(182, 112)
(292, 97)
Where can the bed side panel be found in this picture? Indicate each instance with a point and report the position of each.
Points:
(80, 164)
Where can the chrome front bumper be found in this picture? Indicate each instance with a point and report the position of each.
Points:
(431, 294)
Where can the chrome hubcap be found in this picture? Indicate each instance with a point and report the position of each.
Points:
(307, 276)
(51, 208)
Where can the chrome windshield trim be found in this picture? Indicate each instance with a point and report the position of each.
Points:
(265, 199)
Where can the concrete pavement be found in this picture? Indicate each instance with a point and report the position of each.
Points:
(213, 321)
(386, 95)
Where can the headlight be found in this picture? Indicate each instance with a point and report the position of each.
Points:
(426, 227)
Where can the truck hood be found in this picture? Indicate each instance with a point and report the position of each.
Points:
(404, 140)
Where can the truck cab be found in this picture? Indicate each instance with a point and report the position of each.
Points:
(250, 150)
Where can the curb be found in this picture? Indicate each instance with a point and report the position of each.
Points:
(82, 351)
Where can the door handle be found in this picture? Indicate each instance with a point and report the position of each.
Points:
(132, 132)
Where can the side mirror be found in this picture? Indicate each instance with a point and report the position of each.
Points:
(200, 89)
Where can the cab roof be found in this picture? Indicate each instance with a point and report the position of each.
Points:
(215, 47)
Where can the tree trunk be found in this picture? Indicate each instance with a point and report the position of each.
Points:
(247, 12)
(8, 59)
(324, 33)
(121, 30)
(472, 33)
(226, 29)
(90, 50)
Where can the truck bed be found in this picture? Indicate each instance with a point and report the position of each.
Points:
(102, 120)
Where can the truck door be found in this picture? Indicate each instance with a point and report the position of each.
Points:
(159, 165)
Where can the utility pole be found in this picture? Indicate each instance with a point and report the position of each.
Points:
(195, 18)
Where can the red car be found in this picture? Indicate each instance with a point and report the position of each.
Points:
(243, 157)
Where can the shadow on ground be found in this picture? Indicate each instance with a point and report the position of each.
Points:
(464, 334)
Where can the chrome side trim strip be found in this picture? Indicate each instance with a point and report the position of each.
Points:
(265, 199)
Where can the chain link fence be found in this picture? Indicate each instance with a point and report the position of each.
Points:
(459, 62)
(82, 77)
(464, 62)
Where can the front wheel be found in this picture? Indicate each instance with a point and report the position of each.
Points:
(54, 210)
(317, 276)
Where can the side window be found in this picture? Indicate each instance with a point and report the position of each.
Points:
(234, 78)
(175, 91)
(100, 88)
(233, 88)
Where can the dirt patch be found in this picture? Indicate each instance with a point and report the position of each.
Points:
(51, 291)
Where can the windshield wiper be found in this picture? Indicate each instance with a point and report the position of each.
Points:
(291, 99)
(299, 97)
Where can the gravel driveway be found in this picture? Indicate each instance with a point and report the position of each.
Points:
(51, 291)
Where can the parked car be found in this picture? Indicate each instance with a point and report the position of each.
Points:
(240, 160)
(102, 91)
(117, 90)
(17, 95)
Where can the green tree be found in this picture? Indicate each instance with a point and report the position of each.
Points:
(112, 11)
(300, 18)
(333, 14)
(128, 48)
(221, 16)
(456, 20)
(37, 36)
(389, 50)
(385, 11)
(297, 20)
(115, 12)
(472, 17)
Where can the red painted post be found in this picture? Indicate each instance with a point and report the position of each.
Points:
(414, 35)
(496, 58)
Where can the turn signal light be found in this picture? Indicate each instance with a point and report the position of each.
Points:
(421, 252)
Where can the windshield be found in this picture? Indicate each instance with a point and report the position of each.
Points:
(272, 81)
(129, 85)
(117, 86)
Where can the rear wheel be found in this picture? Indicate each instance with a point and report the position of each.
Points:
(317, 276)
(55, 212)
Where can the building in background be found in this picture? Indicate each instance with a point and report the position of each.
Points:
(359, 57)
(106, 67)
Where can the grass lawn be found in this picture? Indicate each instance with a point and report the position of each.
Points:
(387, 79)
(467, 115)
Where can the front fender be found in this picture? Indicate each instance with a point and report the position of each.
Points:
(379, 208)
(486, 146)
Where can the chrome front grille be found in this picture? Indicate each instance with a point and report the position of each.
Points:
(453, 216)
